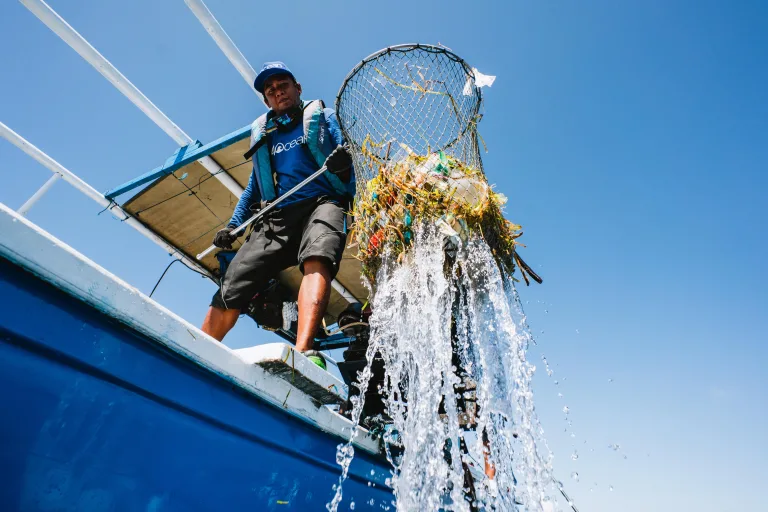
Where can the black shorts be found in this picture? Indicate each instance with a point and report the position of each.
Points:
(285, 238)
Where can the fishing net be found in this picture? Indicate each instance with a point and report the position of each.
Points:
(446, 326)
(410, 114)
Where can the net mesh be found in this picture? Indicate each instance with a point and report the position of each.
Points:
(410, 115)
(421, 97)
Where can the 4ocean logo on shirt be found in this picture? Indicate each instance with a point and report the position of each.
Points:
(287, 146)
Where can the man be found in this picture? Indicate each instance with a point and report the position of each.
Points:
(288, 143)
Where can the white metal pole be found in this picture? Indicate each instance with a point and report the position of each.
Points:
(70, 36)
(21, 143)
(37, 195)
(74, 180)
(224, 42)
(343, 292)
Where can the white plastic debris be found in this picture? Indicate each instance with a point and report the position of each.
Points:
(290, 314)
(481, 80)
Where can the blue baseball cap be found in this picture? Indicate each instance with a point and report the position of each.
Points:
(270, 69)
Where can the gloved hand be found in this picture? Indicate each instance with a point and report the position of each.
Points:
(339, 161)
(224, 238)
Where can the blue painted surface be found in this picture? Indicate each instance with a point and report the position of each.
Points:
(97, 417)
(183, 156)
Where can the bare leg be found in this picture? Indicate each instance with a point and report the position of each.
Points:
(219, 321)
(314, 293)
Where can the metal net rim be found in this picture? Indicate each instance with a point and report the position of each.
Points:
(405, 48)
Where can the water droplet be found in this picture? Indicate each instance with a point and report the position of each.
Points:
(560, 395)
(566, 410)
(546, 311)
(575, 455)
(575, 476)
(573, 435)
(610, 380)
(556, 383)
(392, 101)
(610, 488)
(615, 447)
(577, 331)
(352, 506)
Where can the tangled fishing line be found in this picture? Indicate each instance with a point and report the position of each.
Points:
(460, 428)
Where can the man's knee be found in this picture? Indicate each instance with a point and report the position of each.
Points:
(317, 265)
(219, 321)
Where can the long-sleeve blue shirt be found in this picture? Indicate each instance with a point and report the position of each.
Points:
(292, 163)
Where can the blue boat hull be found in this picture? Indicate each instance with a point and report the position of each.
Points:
(95, 416)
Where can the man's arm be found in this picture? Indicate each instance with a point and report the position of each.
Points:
(224, 237)
(243, 209)
(338, 140)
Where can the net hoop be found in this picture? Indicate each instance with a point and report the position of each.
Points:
(470, 116)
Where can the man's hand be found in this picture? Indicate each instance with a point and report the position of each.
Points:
(224, 238)
(339, 161)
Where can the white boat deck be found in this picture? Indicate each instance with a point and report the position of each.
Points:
(264, 371)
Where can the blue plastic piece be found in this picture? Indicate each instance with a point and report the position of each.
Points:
(99, 417)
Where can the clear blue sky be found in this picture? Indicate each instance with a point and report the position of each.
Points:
(630, 137)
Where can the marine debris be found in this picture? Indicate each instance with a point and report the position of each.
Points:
(439, 188)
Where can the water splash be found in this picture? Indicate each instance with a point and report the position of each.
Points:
(437, 325)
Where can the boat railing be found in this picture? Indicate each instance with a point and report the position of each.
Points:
(61, 172)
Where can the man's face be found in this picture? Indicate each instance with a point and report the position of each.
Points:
(281, 93)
